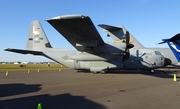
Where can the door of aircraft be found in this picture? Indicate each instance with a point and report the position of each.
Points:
(76, 64)
(138, 59)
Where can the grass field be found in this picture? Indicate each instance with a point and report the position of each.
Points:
(15, 67)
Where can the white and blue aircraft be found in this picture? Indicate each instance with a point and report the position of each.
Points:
(174, 45)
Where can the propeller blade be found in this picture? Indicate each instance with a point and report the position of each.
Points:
(127, 37)
(128, 46)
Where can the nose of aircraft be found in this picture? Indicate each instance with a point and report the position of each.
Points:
(167, 62)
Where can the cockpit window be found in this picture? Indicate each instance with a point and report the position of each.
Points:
(157, 53)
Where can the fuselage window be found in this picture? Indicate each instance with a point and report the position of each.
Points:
(157, 53)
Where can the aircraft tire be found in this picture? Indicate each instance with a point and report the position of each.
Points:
(151, 70)
(102, 72)
(94, 72)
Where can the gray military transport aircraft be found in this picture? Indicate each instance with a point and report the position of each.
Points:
(172, 55)
(93, 53)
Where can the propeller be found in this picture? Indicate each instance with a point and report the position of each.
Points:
(128, 46)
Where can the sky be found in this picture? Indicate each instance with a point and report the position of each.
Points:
(149, 21)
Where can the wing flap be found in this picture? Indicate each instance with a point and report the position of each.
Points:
(87, 43)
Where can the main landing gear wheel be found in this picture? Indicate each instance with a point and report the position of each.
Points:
(94, 72)
(102, 72)
(98, 72)
(151, 70)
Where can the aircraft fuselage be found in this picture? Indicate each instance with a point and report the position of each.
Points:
(139, 59)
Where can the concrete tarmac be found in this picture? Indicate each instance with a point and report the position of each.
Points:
(69, 89)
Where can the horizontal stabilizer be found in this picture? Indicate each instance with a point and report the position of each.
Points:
(174, 38)
(162, 42)
(174, 45)
(24, 51)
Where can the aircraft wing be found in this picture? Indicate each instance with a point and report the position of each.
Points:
(79, 30)
(24, 51)
(118, 33)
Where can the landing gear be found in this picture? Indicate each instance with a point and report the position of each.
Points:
(102, 72)
(96, 72)
(151, 70)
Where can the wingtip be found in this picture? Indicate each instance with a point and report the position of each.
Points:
(161, 42)
(7, 49)
(69, 16)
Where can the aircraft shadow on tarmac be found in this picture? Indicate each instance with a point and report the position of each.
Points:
(62, 101)
(158, 73)
(18, 88)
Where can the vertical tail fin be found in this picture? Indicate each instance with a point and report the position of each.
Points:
(37, 39)
(174, 44)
